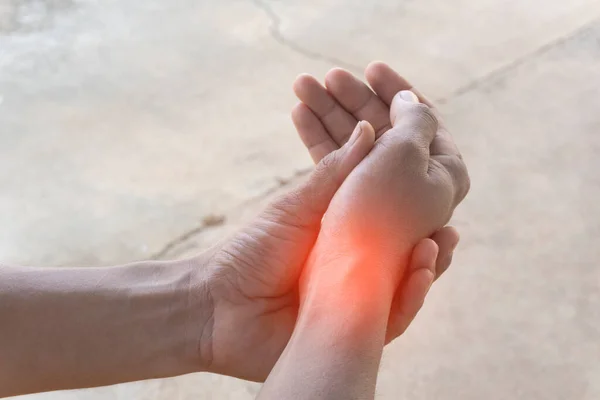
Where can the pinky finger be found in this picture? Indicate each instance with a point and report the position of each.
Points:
(447, 239)
(312, 132)
(411, 293)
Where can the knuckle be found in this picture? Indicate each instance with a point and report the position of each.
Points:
(462, 181)
(424, 116)
(404, 145)
(410, 145)
(328, 171)
(327, 163)
(289, 210)
(454, 168)
(442, 184)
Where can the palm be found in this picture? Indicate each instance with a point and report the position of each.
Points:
(257, 270)
(251, 337)
(325, 117)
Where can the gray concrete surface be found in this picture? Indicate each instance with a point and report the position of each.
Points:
(124, 124)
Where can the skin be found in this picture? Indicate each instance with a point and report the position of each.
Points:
(324, 119)
(230, 310)
(267, 312)
(67, 328)
(350, 280)
(83, 327)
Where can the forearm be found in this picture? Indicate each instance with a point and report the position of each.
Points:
(336, 347)
(83, 327)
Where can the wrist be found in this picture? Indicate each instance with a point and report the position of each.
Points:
(354, 291)
(200, 309)
(168, 308)
(344, 308)
(341, 266)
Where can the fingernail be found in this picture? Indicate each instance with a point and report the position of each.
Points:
(409, 96)
(355, 134)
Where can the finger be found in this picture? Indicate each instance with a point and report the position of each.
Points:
(358, 99)
(386, 83)
(446, 239)
(306, 205)
(443, 144)
(413, 120)
(312, 132)
(336, 120)
(457, 170)
(411, 293)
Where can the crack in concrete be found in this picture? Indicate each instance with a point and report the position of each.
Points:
(277, 35)
(167, 248)
(275, 30)
(470, 86)
(516, 63)
(207, 221)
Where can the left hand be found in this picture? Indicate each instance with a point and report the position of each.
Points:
(253, 276)
(324, 120)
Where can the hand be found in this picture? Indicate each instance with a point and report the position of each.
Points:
(415, 165)
(405, 188)
(253, 276)
(324, 120)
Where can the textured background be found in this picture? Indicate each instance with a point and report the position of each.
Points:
(126, 124)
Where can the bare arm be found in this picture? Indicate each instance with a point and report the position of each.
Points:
(372, 223)
(83, 327)
(336, 347)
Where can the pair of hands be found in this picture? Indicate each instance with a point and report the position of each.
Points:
(404, 174)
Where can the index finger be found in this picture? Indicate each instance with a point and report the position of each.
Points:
(386, 83)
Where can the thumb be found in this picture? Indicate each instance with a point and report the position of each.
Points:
(308, 202)
(334, 168)
(414, 119)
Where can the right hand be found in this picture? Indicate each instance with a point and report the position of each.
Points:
(397, 195)
(324, 120)
(253, 276)
(326, 116)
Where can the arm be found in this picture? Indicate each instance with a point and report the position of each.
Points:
(72, 328)
(83, 327)
(346, 292)
(336, 347)
(361, 254)
(343, 322)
